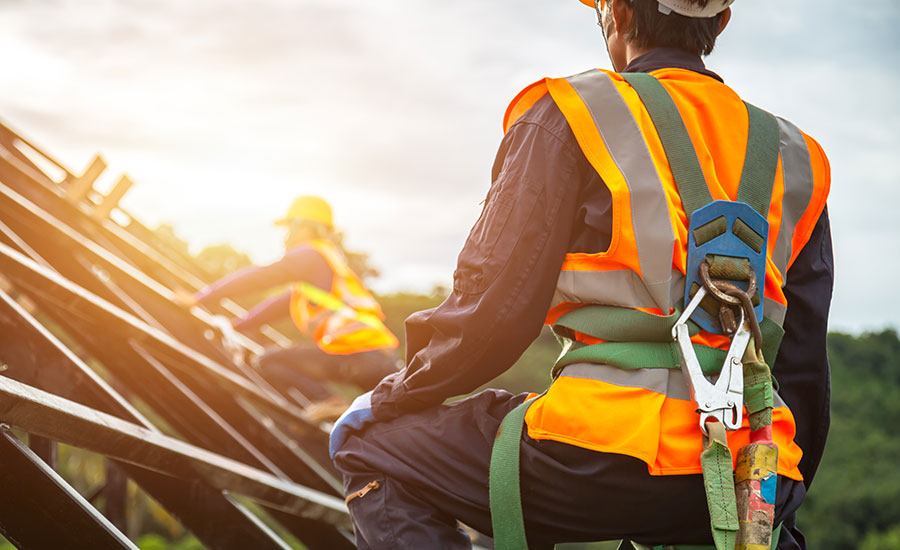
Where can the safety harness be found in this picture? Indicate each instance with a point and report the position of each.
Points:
(725, 275)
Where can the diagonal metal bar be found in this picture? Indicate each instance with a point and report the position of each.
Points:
(109, 259)
(30, 274)
(39, 510)
(210, 419)
(47, 415)
(135, 238)
(216, 519)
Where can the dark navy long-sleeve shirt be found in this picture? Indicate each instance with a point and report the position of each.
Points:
(546, 200)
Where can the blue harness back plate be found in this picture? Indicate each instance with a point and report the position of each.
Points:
(725, 244)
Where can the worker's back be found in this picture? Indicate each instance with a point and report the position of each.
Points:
(648, 413)
(586, 226)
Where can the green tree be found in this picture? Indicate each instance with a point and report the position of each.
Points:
(221, 259)
(856, 493)
(888, 540)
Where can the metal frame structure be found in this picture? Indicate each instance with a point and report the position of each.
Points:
(97, 353)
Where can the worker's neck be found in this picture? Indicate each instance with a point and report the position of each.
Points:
(632, 52)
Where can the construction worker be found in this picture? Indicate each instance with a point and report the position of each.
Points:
(326, 301)
(586, 214)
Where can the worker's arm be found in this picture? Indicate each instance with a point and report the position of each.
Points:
(273, 309)
(301, 263)
(506, 273)
(801, 367)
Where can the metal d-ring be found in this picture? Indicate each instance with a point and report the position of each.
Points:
(719, 288)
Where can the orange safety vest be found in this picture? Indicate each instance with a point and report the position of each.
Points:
(647, 413)
(345, 319)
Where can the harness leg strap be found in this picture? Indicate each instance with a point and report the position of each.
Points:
(719, 484)
(505, 496)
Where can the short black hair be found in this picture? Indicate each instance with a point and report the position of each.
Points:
(654, 29)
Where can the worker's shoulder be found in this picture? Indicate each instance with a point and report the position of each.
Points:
(304, 255)
(817, 157)
(544, 115)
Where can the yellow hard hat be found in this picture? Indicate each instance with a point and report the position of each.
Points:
(308, 208)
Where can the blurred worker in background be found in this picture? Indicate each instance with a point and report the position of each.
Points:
(349, 342)
(586, 223)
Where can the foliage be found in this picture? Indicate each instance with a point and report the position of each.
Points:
(358, 261)
(397, 307)
(888, 540)
(157, 542)
(222, 259)
(856, 494)
(165, 233)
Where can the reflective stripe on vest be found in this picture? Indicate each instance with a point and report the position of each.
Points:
(631, 175)
(797, 196)
(347, 319)
(644, 413)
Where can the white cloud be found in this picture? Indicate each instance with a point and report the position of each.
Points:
(223, 110)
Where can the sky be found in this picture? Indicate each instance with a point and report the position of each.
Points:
(222, 111)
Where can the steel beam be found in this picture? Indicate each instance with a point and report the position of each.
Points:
(50, 416)
(32, 275)
(39, 510)
(136, 242)
(118, 251)
(100, 314)
(213, 517)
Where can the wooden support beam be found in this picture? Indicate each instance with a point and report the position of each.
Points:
(111, 200)
(79, 187)
(45, 449)
(115, 496)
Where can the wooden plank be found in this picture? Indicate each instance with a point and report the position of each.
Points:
(111, 200)
(79, 187)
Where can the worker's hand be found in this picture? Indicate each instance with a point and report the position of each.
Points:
(354, 419)
(184, 298)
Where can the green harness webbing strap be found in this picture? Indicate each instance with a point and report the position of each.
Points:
(632, 356)
(675, 140)
(503, 482)
(718, 480)
(761, 160)
(640, 340)
(622, 324)
(507, 519)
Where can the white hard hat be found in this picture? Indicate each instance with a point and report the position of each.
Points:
(687, 8)
(693, 9)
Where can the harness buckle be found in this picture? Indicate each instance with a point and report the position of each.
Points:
(724, 399)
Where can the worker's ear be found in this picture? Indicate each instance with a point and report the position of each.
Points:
(723, 20)
(622, 15)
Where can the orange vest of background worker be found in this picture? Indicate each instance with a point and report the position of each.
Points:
(326, 301)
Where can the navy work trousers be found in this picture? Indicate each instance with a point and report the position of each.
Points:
(306, 367)
(432, 468)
